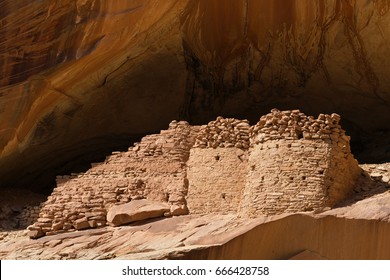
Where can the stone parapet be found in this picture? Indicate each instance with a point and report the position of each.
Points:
(224, 133)
(295, 125)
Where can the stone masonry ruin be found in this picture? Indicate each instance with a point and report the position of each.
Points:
(297, 163)
(287, 162)
(153, 169)
(217, 166)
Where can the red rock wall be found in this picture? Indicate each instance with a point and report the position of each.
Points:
(71, 73)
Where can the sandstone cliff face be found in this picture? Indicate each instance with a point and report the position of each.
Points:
(82, 76)
(313, 54)
(78, 78)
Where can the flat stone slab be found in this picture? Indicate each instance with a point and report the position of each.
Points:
(136, 210)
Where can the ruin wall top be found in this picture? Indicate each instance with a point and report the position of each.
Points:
(277, 125)
(294, 125)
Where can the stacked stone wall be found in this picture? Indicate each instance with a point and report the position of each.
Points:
(216, 179)
(217, 165)
(294, 125)
(28, 216)
(341, 175)
(224, 133)
(285, 176)
(297, 163)
(153, 169)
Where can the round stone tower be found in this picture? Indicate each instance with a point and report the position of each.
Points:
(297, 163)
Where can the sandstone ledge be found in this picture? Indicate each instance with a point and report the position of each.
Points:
(214, 237)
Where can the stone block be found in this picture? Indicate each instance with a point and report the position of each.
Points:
(177, 210)
(35, 233)
(92, 224)
(136, 210)
(81, 223)
(57, 226)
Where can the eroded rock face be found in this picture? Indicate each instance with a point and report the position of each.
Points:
(83, 77)
(318, 54)
(79, 77)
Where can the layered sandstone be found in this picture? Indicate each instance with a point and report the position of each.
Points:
(213, 236)
(63, 70)
(329, 237)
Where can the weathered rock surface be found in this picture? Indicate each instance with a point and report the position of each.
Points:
(136, 210)
(80, 78)
(307, 255)
(372, 196)
(330, 237)
(213, 237)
